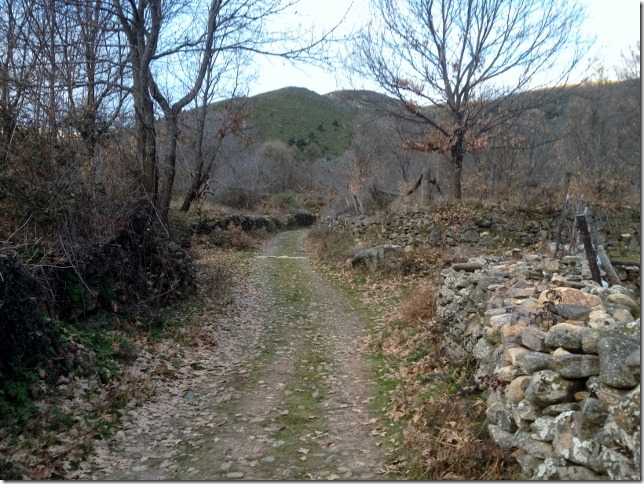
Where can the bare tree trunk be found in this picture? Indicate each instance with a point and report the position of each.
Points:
(169, 168)
(426, 189)
(457, 166)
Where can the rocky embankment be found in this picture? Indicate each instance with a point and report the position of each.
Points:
(560, 357)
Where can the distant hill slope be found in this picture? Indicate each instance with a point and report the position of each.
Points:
(316, 125)
(322, 125)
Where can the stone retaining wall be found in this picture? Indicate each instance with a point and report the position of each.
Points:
(422, 227)
(560, 357)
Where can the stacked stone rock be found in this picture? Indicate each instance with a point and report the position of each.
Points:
(420, 227)
(560, 356)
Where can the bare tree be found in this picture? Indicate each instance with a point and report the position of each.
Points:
(162, 33)
(457, 64)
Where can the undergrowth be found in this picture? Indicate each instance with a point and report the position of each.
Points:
(53, 407)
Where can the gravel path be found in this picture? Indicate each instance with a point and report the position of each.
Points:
(284, 393)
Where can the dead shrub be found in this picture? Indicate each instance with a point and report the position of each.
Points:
(421, 305)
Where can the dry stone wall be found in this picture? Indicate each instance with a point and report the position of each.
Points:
(420, 227)
(560, 357)
(558, 354)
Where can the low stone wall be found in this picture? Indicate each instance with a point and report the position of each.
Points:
(560, 356)
(421, 227)
(271, 223)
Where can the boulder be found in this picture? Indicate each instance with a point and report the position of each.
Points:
(565, 335)
(572, 311)
(501, 437)
(624, 300)
(535, 447)
(515, 391)
(576, 366)
(532, 361)
(543, 428)
(613, 352)
(548, 387)
(532, 338)
(373, 255)
(569, 295)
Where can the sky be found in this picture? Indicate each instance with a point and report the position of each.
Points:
(615, 23)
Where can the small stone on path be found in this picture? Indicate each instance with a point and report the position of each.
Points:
(234, 475)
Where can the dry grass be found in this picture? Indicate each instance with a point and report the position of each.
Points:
(441, 410)
(421, 305)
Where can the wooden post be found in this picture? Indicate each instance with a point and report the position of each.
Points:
(565, 186)
(608, 267)
(591, 255)
(426, 190)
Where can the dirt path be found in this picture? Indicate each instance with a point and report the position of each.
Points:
(284, 394)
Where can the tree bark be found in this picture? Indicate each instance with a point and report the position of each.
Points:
(458, 152)
(591, 255)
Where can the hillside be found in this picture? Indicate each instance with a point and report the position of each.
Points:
(316, 125)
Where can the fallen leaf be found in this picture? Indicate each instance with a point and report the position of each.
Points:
(302, 450)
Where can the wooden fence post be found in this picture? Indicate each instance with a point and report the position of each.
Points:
(591, 255)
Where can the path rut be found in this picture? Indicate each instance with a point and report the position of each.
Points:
(286, 394)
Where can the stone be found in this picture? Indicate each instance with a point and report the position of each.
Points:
(508, 373)
(613, 352)
(578, 473)
(501, 437)
(515, 391)
(532, 361)
(576, 366)
(532, 446)
(599, 319)
(623, 315)
(528, 463)
(510, 331)
(593, 410)
(604, 393)
(589, 339)
(556, 409)
(507, 422)
(466, 266)
(488, 314)
(526, 410)
(569, 295)
(624, 300)
(572, 311)
(623, 422)
(522, 293)
(493, 412)
(564, 335)
(268, 459)
(235, 475)
(483, 349)
(533, 339)
(225, 466)
(500, 320)
(543, 428)
(618, 467)
(633, 362)
(492, 334)
(547, 387)
(570, 445)
(469, 236)
(511, 354)
(560, 352)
